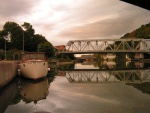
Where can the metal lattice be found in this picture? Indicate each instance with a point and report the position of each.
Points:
(108, 46)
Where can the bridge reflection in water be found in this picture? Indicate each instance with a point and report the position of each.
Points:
(89, 76)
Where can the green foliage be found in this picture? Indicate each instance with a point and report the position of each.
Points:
(28, 28)
(17, 35)
(142, 32)
(65, 57)
(2, 43)
(13, 54)
(26, 32)
(47, 48)
(36, 40)
(2, 57)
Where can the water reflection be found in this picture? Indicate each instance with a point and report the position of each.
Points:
(7, 94)
(33, 91)
(83, 88)
(136, 74)
(88, 76)
(144, 87)
(42, 112)
(112, 65)
(21, 89)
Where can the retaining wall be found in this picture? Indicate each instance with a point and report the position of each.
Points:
(8, 70)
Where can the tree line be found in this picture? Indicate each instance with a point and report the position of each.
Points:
(141, 32)
(32, 42)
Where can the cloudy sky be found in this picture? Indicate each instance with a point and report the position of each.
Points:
(63, 20)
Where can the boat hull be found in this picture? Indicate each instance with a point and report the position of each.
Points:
(34, 69)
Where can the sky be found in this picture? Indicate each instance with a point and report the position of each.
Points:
(63, 20)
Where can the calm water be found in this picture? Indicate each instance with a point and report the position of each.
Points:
(106, 87)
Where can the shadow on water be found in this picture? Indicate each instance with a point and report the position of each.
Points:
(7, 94)
(144, 87)
(26, 90)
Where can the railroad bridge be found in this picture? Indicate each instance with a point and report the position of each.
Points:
(132, 45)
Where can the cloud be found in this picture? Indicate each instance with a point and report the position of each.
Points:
(11, 8)
(65, 20)
(113, 22)
(15, 10)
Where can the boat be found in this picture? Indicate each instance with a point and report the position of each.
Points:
(33, 65)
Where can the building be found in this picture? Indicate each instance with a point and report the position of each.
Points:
(60, 47)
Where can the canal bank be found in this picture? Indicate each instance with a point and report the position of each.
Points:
(8, 71)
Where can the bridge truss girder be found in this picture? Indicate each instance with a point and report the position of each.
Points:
(107, 45)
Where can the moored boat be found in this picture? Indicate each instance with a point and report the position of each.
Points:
(33, 65)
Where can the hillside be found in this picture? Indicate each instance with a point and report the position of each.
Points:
(142, 32)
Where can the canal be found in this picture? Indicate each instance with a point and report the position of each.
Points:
(105, 87)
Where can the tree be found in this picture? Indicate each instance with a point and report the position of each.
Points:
(20, 34)
(47, 48)
(2, 41)
(29, 29)
(142, 32)
(16, 31)
(36, 40)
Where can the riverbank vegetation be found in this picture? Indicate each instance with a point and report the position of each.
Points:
(23, 37)
(141, 32)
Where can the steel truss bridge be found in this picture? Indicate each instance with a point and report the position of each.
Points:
(133, 45)
(127, 76)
